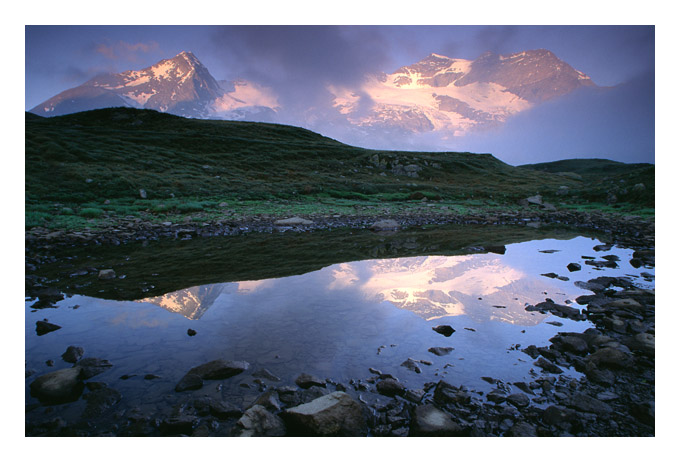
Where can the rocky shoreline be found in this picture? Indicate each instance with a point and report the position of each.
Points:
(615, 396)
(631, 230)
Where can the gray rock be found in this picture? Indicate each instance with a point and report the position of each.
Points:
(411, 365)
(294, 221)
(257, 421)
(427, 420)
(142, 193)
(93, 366)
(445, 393)
(73, 354)
(385, 225)
(265, 374)
(519, 400)
(307, 381)
(574, 267)
(106, 274)
(189, 382)
(63, 385)
(219, 369)
(336, 414)
(440, 351)
(390, 387)
(609, 357)
(99, 401)
(585, 403)
(548, 366)
(522, 429)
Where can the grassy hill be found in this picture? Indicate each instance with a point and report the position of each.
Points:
(96, 162)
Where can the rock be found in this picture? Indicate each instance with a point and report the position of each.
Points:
(44, 327)
(73, 354)
(191, 332)
(548, 366)
(440, 351)
(536, 200)
(574, 267)
(295, 221)
(445, 330)
(385, 225)
(572, 343)
(411, 365)
(427, 420)
(142, 193)
(189, 382)
(100, 400)
(390, 387)
(585, 403)
(60, 386)
(522, 429)
(609, 357)
(93, 366)
(178, 425)
(519, 400)
(265, 374)
(219, 369)
(336, 414)
(643, 342)
(257, 421)
(307, 381)
(559, 417)
(107, 274)
(445, 393)
(224, 410)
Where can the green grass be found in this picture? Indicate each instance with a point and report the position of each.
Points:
(99, 160)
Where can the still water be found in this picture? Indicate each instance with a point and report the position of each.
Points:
(335, 322)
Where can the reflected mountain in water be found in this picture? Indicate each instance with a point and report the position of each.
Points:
(192, 303)
(436, 286)
(481, 286)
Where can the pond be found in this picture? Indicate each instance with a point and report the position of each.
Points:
(331, 318)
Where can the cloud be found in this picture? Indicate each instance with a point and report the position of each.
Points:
(121, 50)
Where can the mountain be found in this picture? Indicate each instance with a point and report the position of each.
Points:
(452, 95)
(181, 85)
(437, 94)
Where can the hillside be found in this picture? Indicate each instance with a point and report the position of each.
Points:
(608, 180)
(106, 156)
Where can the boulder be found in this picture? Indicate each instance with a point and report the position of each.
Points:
(445, 393)
(411, 365)
(257, 421)
(548, 366)
(610, 358)
(189, 382)
(427, 420)
(336, 414)
(60, 386)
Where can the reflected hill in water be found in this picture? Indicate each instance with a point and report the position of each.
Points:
(152, 269)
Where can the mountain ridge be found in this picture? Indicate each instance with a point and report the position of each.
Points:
(451, 96)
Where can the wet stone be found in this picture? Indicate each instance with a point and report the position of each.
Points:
(445, 330)
(430, 421)
(44, 327)
(440, 351)
(307, 381)
(73, 354)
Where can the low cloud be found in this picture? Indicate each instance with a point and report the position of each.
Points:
(123, 51)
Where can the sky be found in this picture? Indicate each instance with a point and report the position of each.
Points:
(299, 62)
